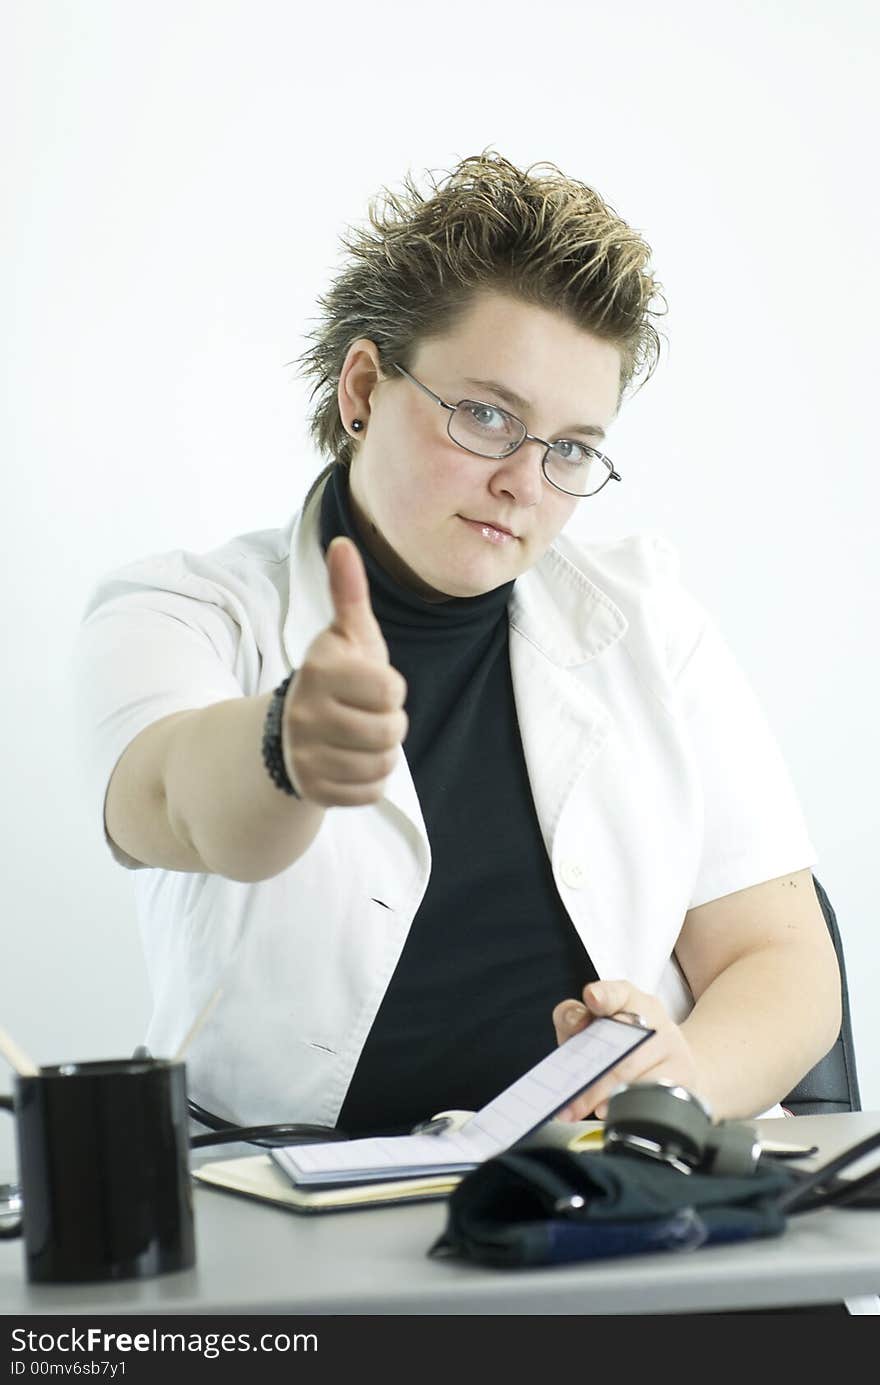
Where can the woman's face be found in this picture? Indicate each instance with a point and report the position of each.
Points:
(423, 505)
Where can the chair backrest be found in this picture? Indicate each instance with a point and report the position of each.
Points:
(832, 1085)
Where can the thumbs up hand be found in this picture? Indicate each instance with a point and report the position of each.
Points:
(343, 721)
(350, 591)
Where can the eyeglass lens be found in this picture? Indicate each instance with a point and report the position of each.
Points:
(492, 432)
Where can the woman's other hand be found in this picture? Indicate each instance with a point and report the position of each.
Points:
(666, 1054)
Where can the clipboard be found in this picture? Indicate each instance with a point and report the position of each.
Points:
(518, 1111)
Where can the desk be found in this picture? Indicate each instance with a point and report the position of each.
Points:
(253, 1258)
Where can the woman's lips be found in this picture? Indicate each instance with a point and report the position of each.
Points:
(489, 531)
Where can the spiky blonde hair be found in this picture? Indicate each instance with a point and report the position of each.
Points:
(550, 240)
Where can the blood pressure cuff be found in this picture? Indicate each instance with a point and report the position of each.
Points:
(552, 1206)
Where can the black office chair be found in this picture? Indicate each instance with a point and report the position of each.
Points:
(832, 1085)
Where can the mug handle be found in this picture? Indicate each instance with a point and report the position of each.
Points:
(9, 1233)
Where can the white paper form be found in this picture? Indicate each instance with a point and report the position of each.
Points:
(523, 1106)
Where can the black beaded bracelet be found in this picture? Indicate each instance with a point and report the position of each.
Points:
(273, 755)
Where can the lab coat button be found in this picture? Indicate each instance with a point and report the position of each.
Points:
(572, 873)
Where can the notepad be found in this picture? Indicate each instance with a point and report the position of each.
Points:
(521, 1108)
(256, 1176)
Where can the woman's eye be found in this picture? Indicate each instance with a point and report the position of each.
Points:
(485, 416)
(571, 452)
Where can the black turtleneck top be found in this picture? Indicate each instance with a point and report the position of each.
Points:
(491, 949)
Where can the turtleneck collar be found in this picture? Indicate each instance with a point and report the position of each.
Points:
(392, 602)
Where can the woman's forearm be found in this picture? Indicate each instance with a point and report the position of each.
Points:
(221, 802)
(762, 1024)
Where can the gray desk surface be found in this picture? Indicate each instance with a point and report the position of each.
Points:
(253, 1258)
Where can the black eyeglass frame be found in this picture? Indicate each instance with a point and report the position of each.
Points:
(526, 437)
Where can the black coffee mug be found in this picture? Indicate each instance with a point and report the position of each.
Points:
(103, 1159)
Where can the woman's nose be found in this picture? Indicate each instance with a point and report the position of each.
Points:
(520, 474)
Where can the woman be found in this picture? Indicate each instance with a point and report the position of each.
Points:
(508, 781)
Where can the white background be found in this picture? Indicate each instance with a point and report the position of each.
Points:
(176, 176)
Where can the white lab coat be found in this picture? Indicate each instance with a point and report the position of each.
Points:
(657, 783)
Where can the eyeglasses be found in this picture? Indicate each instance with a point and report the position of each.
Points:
(489, 431)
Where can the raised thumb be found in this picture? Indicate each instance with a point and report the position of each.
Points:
(350, 593)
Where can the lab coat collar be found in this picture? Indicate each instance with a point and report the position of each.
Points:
(309, 605)
(561, 611)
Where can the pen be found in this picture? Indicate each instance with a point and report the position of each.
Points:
(435, 1126)
(630, 1016)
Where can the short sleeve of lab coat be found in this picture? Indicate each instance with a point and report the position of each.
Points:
(138, 656)
(754, 828)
